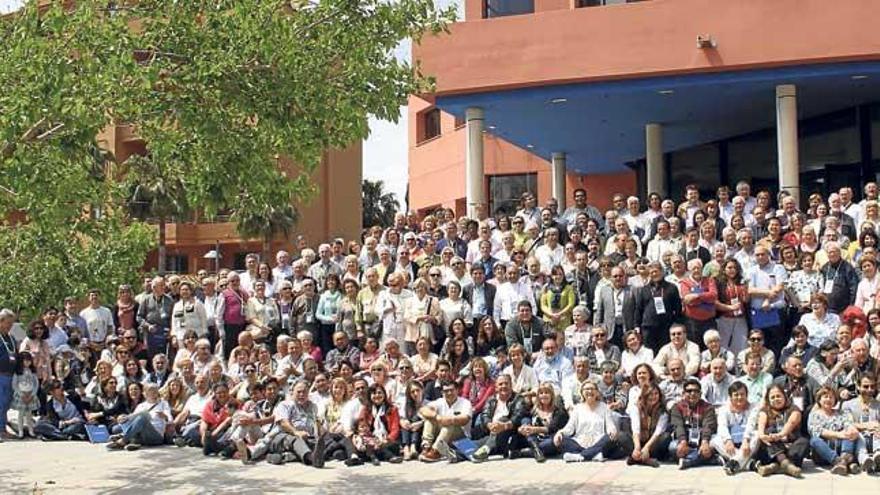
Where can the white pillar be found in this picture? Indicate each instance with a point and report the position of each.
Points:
(557, 179)
(474, 178)
(655, 171)
(787, 140)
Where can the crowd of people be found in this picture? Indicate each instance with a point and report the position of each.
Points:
(738, 331)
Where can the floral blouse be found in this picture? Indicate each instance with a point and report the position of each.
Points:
(819, 422)
(802, 285)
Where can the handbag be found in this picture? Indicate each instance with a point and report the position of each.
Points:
(764, 319)
(98, 433)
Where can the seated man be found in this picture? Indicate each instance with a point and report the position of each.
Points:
(865, 413)
(736, 441)
(717, 383)
(673, 385)
(296, 433)
(496, 426)
(679, 347)
(446, 419)
(571, 385)
(187, 421)
(757, 380)
(551, 366)
(693, 425)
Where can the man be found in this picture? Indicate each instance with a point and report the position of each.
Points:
(736, 441)
(678, 348)
(550, 253)
(692, 248)
(302, 312)
(551, 366)
(662, 242)
(757, 380)
(433, 389)
(693, 423)
(160, 373)
(446, 420)
(99, 320)
(615, 307)
(583, 280)
(324, 266)
(657, 306)
(746, 254)
(343, 351)
(282, 270)
(767, 298)
(863, 364)
(154, 318)
(841, 280)
(698, 297)
(250, 275)
(498, 421)
(451, 239)
(571, 385)
(744, 191)
(797, 387)
(297, 430)
(635, 219)
(230, 313)
(480, 295)
(526, 330)
(871, 192)
(189, 419)
(8, 350)
(667, 211)
(581, 206)
(716, 384)
(865, 413)
(548, 221)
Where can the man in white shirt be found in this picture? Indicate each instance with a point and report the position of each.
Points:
(744, 191)
(571, 385)
(716, 384)
(99, 320)
(662, 242)
(188, 419)
(250, 275)
(551, 253)
(282, 269)
(447, 419)
(678, 348)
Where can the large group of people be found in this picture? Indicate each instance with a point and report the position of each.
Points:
(738, 331)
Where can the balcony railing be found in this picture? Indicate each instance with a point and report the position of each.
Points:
(504, 8)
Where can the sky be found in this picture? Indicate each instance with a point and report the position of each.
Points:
(385, 150)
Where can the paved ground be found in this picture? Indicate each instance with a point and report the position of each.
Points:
(35, 467)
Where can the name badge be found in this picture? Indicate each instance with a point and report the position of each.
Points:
(735, 302)
(285, 320)
(693, 435)
(798, 401)
(310, 318)
(829, 287)
(527, 343)
(659, 306)
(804, 295)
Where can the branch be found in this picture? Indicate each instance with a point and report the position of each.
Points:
(29, 135)
(8, 191)
(49, 132)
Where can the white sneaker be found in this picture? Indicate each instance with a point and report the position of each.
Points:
(572, 457)
(441, 447)
(598, 458)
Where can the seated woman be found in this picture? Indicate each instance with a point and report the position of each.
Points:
(540, 423)
(649, 421)
(712, 339)
(589, 431)
(379, 428)
(782, 447)
(62, 421)
(829, 429)
(411, 423)
(109, 405)
(825, 369)
(146, 424)
(635, 353)
(478, 387)
(799, 347)
(176, 395)
(489, 337)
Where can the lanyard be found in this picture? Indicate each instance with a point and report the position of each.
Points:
(9, 351)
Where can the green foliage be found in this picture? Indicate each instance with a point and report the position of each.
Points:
(379, 206)
(218, 90)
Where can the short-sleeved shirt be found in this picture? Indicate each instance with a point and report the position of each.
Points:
(302, 418)
(461, 407)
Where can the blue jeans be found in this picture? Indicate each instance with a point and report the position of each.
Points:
(139, 430)
(5, 399)
(827, 453)
(569, 445)
(692, 455)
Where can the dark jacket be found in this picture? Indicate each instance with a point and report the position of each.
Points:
(846, 280)
(646, 311)
(488, 294)
(682, 416)
(700, 253)
(514, 333)
(515, 410)
(556, 423)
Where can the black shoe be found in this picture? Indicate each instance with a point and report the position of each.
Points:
(375, 461)
(537, 453)
(630, 461)
(353, 461)
(731, 467)
(339, 455)
(318, 453)
(396, 460)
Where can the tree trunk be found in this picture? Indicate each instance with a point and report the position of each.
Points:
(162, 263)
(266, 246)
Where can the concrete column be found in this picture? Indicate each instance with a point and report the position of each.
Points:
(474, 119)
(557, 176)
(656, 172)
(787, 140)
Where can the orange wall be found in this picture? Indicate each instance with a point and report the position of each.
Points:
(644, 39)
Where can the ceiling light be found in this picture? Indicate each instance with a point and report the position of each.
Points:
(558, 100)
(666, 92)
(530, 146)
(492, 127)
(858, 77)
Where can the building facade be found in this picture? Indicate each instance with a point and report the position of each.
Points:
(647, 96)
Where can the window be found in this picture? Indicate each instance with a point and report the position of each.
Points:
(697, 165)
(505, 191)
(429, 124)
(177, 263)
(503, 8)
(829, 140)
(875, 131)
(238, 260)
(598, 3)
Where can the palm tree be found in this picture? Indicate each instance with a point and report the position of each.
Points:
(379, 207)
(266, 223)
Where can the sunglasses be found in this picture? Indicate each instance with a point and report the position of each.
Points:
(693, 391)
(756, 339)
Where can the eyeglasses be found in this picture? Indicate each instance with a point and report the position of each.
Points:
(404, 367)
(435, 274)
(676, 334)
(756, 339)
(692, 391)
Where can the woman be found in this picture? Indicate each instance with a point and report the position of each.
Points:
(332, 416)
(411, 423)
(347, 309)
(795, 233)
(262, 315)
(132, 372)
(557, 301)
(424, 362)
(799, 347)
(266, 365)
(125, 310)
(175, 394)
(782, 447)
(732, 302)
(489, 337)
(872, 335)
(103, 371)
(634, 354)
(649, 421)
(187, 349)
(285, 306)
(756, 346)
(146, 423)
(643, 376)
(454, 307)
(384, 421)
(867, 239)
(789, 258)
(832, 430)
(62, 421)
(478, 387)
(802, 284)
(826, 370)
(589, 429)
(327, 312)
(459, 357)
(367, 315)
(38, 347)
(578, 335)
(203, 359)
(188, 315)
(308, 346)
(369, 355)
(391, 307)
(818, 221)
(422, 314)
(457, 328)
(714, 350)
(264, 273)
(243, 383)
(540, 424)
(109, 405)
(867, 291)
(809, 240)
(523, 376)
(821, 324)
(871, 214)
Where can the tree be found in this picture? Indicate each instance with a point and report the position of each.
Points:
(266, 224)
(219, 91)
(379, 206)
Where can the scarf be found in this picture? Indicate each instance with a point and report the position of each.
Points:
(379, 429)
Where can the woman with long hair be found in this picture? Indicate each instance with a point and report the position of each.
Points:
(782, 447)
(558, 300)
(649, 421)
(733, 298)
(489, 337)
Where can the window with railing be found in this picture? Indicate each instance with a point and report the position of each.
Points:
(503, 8)
(428, 124)
(599, 3)
(505, 191)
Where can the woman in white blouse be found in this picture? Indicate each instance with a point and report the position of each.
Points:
(454, 306)
(188, 314)
(262, 313)
(820, 323)
(589, 429)
(421, 314)
(866, 293)
(634, 354)
(524, 378)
